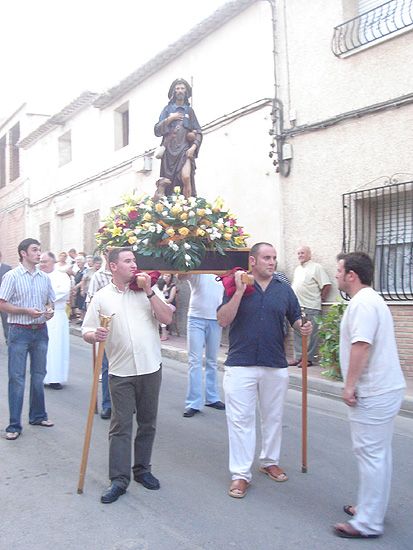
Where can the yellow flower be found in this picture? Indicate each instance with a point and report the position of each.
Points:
(239, 241)
(147, 217)
(200, 211)
(132, 239)
(184, 231)
(130, 234)
(184, 216)
(177, 189)
(227, 236)
(116, 231)
(176, 209)
(146, 226)
(200, 232)
(170, 231)
(159, 207)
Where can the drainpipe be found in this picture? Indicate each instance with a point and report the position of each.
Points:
(280, 151)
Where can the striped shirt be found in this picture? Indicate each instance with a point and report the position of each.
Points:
(100, 279)
(24, 289)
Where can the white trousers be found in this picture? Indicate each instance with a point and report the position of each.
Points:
(243, 387)
(371, 423)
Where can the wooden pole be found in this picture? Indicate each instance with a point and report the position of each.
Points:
(304, 365)
(93, 372)
(104, 322)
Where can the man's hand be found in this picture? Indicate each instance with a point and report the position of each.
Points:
(147, 282)
(191, 151)
(34, 313)
(101, 334)
(49, 313)
(349, 396)
(306, 329)
(175, 116)
(239, 285)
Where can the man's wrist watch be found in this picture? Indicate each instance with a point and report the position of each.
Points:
(151, 295)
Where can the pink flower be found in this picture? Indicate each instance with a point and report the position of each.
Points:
(133, 214)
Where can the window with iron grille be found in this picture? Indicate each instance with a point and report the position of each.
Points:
(379, 221)
(14, 136)
(2, 161)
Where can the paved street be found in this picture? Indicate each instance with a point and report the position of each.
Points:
(39, 474)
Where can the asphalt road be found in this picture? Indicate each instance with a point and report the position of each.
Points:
(39, 474)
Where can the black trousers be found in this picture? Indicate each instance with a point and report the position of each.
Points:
(131, 394)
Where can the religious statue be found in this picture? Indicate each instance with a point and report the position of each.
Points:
(181, 139)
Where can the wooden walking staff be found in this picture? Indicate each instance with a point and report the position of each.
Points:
(304, 364)
(104, 322)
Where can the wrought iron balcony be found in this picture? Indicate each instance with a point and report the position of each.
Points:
(390, 18)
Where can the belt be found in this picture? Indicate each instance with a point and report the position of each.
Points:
(32, 327)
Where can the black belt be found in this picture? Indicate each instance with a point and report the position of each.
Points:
(32, 327)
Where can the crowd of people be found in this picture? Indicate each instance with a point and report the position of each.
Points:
(36, 295)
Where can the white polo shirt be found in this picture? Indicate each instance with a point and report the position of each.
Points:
(368, 319)
(133, 345)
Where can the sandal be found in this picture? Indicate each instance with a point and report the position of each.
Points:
(12, 436)
(43, 423)
(347, 531)
(238, 488)
(274, 472)
(349, 510)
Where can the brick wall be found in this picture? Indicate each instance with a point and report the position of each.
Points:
(403, 323)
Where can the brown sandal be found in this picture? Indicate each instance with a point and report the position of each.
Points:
(349, 510)
(274, 472)
(238, 488)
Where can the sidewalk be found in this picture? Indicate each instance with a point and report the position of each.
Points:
(175, 348)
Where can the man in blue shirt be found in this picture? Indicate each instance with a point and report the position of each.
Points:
(257, 366)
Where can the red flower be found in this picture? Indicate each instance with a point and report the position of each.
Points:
(133, 214)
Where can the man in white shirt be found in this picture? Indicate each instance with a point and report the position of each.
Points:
(134, 353)
(373, 389)
(311, 285)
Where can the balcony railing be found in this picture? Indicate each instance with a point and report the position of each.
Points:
(391, 17)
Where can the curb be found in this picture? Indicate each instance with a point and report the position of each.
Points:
(316, 386)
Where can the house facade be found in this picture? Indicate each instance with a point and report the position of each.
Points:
(306, 111)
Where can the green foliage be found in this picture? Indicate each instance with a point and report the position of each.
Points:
(329, 338)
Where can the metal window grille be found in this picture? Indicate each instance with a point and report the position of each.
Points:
(373, 25)
(379, 222)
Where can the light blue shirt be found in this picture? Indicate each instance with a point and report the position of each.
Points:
(21, 288)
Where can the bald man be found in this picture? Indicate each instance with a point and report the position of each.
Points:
(312, 285)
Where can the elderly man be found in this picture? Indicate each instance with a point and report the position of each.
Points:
(134, 353)
(58, 327)
(311, 285)
(256, 367)
(373, 389)
(27, 296)
(181, 138)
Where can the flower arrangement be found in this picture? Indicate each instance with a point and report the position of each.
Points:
(180, 230)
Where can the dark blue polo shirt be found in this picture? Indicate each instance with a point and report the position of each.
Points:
(256, 335)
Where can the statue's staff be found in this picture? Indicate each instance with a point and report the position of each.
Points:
(104, 322)
(304, 364)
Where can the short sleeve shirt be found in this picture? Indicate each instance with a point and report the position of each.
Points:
(256, 336)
